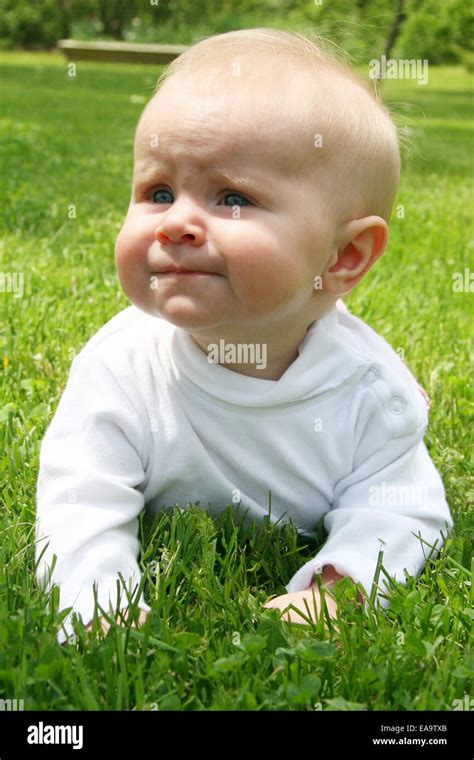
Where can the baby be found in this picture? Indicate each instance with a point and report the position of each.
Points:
(264, 176)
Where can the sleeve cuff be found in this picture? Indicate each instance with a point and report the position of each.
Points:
(364, 575)
(112, 595)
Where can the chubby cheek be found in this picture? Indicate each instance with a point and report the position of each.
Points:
(266, 274)
(130, 260)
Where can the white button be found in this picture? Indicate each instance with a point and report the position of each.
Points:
(370, 376)
(397, 405)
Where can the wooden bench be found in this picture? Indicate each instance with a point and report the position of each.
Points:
(123, 52)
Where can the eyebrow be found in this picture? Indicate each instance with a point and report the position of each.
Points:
(250, 184)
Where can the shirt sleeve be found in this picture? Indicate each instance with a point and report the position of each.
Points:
(90, 493)
(393, 501)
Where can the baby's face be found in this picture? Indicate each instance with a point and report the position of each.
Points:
(221, 186)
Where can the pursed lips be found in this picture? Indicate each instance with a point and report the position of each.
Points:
(182, 271)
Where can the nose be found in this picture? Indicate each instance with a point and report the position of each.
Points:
(163, 237)
(179, 226)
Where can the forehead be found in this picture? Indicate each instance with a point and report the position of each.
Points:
(210, 121)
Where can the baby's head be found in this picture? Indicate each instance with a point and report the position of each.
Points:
(266, 163)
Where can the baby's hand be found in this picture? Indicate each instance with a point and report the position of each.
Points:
(312, 598)
(105, 625)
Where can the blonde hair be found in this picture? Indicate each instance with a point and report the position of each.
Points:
(362, 141)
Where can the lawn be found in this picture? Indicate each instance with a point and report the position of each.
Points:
(208, 644)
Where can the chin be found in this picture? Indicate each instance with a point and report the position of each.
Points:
(185, 315)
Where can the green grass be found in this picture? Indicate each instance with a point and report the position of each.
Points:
(209, 644)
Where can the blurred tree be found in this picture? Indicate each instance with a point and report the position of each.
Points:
(440, 30)
(114, 14)
(28, 24)
(395, 27)
(64, 8)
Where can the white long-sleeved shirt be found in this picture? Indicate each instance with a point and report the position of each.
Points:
(146, 420)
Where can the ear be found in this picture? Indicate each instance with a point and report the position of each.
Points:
(362, 241)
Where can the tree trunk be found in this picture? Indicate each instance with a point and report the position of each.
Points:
(63, 8)
(396, 25)
(112, 16)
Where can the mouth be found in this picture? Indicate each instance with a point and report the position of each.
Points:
(184, 273)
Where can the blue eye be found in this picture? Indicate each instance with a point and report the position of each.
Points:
(157, 196)
(230, 199)
(236, 199)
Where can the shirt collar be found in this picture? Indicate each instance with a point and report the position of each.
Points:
(325, 360)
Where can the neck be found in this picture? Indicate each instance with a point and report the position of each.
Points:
(237, 350)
